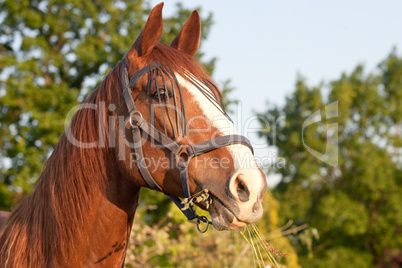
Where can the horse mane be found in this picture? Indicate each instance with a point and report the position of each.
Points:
(47, 222)
(43, 229)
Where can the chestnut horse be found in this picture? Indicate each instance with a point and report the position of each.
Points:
(160, 106)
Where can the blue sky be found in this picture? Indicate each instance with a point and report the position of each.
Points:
(262, 45)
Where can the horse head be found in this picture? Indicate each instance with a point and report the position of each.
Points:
(176, 136)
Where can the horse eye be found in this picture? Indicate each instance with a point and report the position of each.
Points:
(160, 94)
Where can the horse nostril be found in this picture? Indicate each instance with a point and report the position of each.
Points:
(242, 191)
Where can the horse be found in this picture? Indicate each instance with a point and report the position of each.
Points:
(155, 121)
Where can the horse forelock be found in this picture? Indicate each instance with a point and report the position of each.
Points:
(170, 64)
(180, 63)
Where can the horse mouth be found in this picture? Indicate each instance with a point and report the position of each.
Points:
(222, 217)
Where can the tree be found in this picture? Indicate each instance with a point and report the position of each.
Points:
(355, 203)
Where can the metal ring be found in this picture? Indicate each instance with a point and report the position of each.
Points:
(202, 219)
(132, 115)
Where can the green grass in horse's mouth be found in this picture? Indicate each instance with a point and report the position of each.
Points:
(259, 246)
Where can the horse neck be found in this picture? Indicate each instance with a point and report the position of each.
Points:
(80, 213)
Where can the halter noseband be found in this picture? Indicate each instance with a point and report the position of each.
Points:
(182, 154)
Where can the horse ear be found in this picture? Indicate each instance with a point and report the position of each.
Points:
(188, 39)
(151, 34)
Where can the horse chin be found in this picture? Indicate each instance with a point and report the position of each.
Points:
(221, 224)
(224, 219)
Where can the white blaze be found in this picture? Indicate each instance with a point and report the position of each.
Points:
(243, 158)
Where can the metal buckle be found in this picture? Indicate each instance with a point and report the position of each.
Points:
(201, 219)
(134, 123)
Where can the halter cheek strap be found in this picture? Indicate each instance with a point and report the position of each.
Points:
(182, 154)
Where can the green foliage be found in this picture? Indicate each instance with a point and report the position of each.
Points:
(173, 242)
(170, 241)
(354, 205)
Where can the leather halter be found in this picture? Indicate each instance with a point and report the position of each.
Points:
(182, 154)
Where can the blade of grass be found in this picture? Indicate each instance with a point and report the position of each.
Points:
(265, 245)
(255, 260)
(271, 258)
(258, 247)
(254, 248)
(249, 244)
